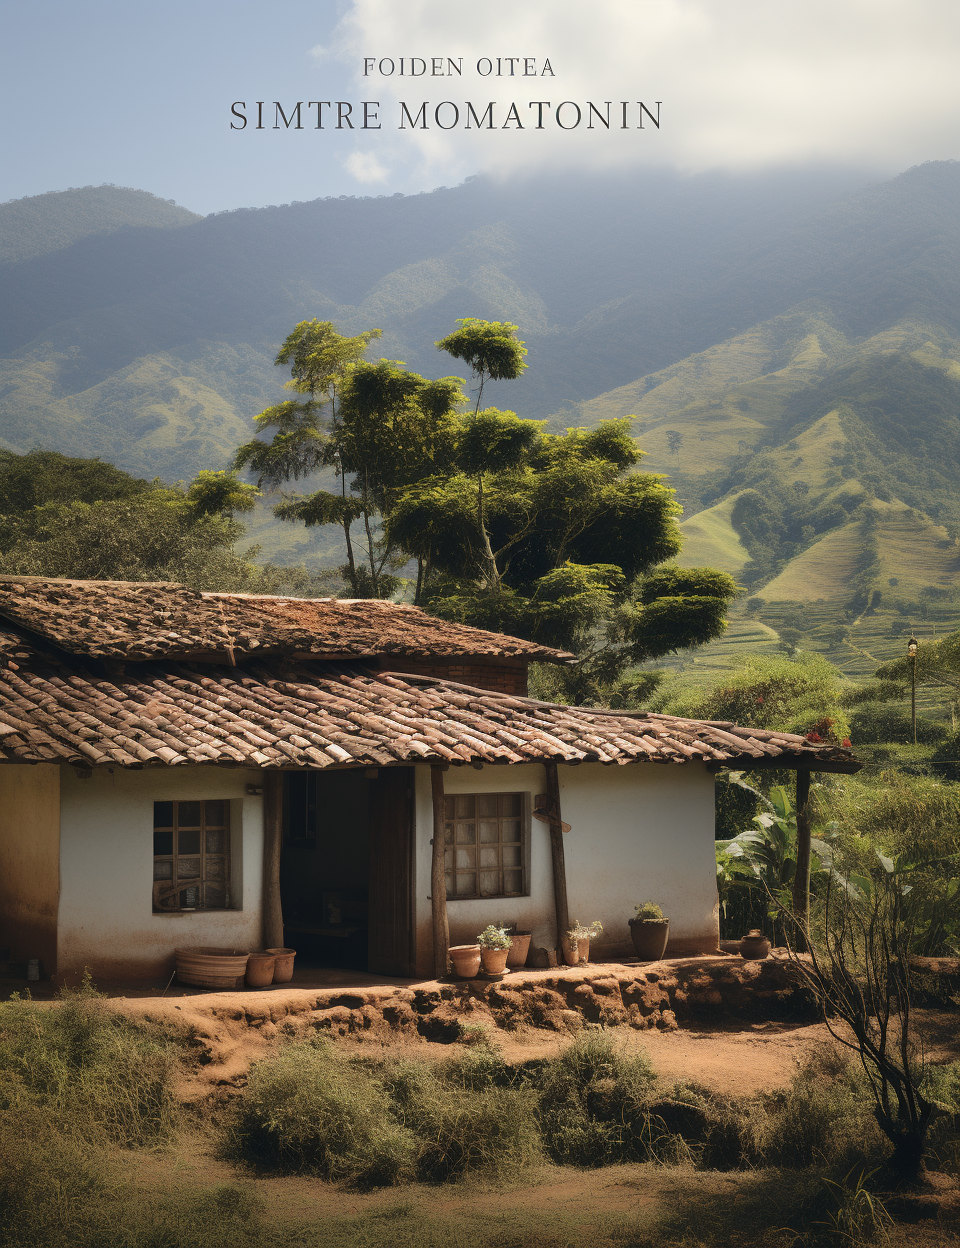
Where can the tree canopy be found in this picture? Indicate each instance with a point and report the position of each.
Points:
(88, 519)
(554, 537)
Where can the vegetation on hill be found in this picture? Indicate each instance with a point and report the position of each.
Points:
(65, 517)
(546, 536)
(41, 224)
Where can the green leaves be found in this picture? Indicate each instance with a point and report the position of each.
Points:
(490, 348)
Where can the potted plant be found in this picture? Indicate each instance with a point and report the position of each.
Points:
(465, 959)
(576, 943)
(649, 931)
(494, 945)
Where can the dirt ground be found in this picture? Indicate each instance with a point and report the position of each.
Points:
(552, 1206)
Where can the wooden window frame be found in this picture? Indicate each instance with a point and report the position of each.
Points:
(508, 858)
(171, 887)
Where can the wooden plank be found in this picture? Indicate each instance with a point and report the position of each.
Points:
(272, 910)
(390, 949)
(556, 853)
(438, 884)
(801, 881)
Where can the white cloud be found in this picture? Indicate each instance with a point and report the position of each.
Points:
(743, 83)
(365, 167)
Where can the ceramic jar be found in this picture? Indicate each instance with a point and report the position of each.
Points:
(260, 968)
(517, 953)
(283, 967)
(649, 938)
(494, 960)
(754, 947)
(465, 959)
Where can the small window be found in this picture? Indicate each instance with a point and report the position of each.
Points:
(486, 840)
(191, 855)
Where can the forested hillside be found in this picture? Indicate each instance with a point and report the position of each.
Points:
(788, 343)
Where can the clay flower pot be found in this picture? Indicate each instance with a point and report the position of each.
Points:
(211, 968)
(571, 951)
(465, 959)
(494, 960)
(754, 947)
(649, 938)
(283, 967)
(517, 953)
(260, 967)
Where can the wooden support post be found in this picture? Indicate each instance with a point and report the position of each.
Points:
(272, 844)
(438, 883)
(556, 853)
(801, 881)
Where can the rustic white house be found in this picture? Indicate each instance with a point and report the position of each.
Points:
(180, 768)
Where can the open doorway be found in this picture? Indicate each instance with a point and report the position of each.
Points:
(346, 869)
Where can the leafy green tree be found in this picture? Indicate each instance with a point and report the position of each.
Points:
(491, 348)
(574, 539)
(54, 524)
(803, 694)
(320, 361)
(384, 429)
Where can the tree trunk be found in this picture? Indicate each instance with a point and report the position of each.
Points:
(438, 883)
(491, 573)
(557, 854)
(801, 880)
(271, 910)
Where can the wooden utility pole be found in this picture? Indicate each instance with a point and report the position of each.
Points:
(801, 880)
(556, 853)
(438, 883)
(272, 845)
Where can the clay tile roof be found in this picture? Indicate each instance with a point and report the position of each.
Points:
(283, 714)
(142, 620)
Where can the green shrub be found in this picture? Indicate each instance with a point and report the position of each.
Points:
(878, 722)
(824, 1119)
(93, 1071)
(309, 1109)
(592, 1103)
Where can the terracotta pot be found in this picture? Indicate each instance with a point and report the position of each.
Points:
(571, 952)
(465, 959)
(206, 967)
(494, 960)
(260, 968)
(283, 967)
(754, 947)
(649, 938)
(517, 953)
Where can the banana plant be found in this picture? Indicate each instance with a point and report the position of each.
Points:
(764, 857)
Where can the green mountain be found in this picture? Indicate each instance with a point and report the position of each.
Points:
(39, 225)
(787, 341)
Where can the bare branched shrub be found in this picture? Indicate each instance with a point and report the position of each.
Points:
(858, 969)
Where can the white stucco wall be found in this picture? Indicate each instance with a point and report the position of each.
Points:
(106, 918)
(643, 832)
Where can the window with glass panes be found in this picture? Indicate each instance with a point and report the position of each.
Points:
(191, 855)
(484, 845)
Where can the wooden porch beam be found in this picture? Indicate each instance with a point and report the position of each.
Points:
(801, 880)
(272, 844)
(557, 854)
(438, 883)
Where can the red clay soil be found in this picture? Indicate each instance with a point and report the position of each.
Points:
(738, 1027)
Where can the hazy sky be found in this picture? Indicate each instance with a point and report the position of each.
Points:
(140, 94)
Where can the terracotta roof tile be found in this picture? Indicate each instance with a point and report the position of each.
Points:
(141, 620)
(281, 714)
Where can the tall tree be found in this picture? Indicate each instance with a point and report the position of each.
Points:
(491, 348)
(321, 360)
(576, 538)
